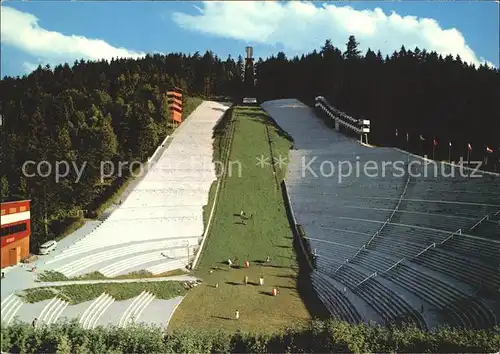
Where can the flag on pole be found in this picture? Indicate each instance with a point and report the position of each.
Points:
(450, 143)
(421, 138)
(435, 142)
(489, 150)
(407, 137)
(396, 132)
(469, 146)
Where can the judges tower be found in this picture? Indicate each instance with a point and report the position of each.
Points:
(249, 72)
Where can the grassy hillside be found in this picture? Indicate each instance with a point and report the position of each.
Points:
(253, 188)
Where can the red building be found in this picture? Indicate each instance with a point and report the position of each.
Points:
(15, 231)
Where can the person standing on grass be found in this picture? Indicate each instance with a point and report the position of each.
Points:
(246, 280)
(237, 315)
(261, 280)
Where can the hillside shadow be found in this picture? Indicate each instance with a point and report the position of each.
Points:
(268, 293)
(233, 283)
(289, 276)
(222, 318)
(304, 286)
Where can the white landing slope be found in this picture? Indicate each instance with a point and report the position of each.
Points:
(160, 223)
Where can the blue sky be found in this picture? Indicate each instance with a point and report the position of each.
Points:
(226, 28)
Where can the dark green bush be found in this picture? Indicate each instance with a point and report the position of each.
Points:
(319, 337)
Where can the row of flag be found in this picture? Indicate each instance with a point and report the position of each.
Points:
(435, 142)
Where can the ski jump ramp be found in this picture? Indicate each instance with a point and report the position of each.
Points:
(159, 226)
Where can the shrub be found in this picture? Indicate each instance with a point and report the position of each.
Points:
(318, 337)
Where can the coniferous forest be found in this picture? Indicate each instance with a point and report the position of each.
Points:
(117, 111)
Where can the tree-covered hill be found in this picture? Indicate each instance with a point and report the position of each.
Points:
(117, 111)
(412, 90)
(90, 113)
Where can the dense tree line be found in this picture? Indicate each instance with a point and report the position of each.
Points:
(117, 111)
(90, 113)
(413, 90)
(319, 337)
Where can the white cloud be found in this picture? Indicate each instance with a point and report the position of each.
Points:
(22, 31)
(301, 26)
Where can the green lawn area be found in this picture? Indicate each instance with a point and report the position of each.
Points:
(50, 275)
(267, 233)
(77, 293)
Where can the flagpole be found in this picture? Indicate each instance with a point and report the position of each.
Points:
(449, 152)
(433, 148)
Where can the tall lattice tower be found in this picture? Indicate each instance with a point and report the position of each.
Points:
(249, 71)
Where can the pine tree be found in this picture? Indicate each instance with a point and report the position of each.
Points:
(352, 51)
(4, 188)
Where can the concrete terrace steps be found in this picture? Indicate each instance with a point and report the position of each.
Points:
(168, 266)
(353, 239)
(488, 229)
(51, 312)
(432, 209)
(89, 246)
(93, 313)
(123, 266)
(160, 266)
(399, 249)
(331, 224)
(486, 250)
(404, 311)
(9, 308)
(93, 260)
(466, 270)
(135, 309)
(388, 304)
(412, 233)
(126, 248)
(333, 250)
(374, 261)
(336, 303)
(448, 299)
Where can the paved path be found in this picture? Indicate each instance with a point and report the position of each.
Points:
(107, 281)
